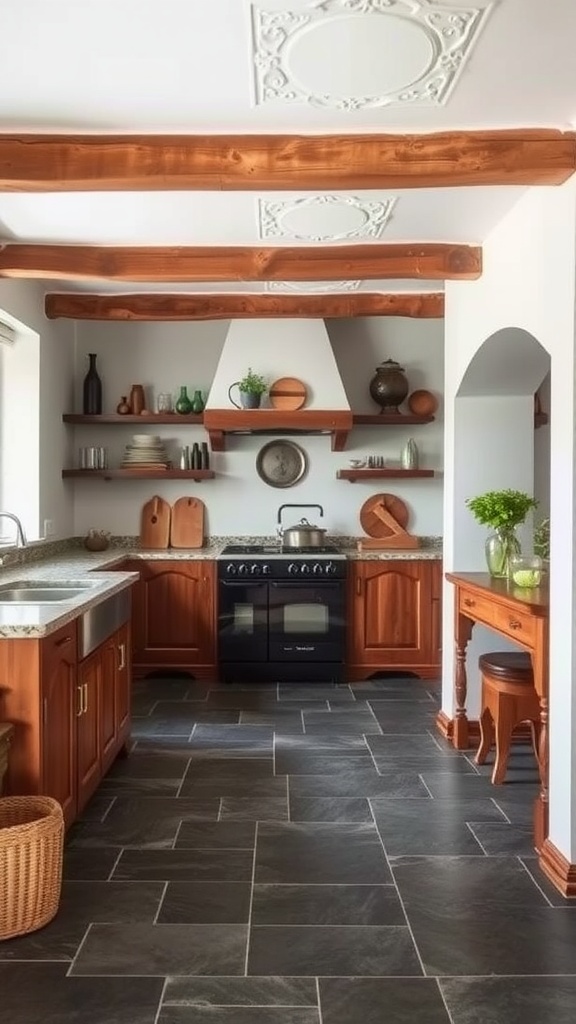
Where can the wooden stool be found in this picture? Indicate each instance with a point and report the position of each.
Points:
(508, 698)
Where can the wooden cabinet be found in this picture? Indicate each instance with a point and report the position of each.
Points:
(394, 617)
(70, 719)
(173, 615)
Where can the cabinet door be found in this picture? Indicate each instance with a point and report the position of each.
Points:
(87, 727)
(391, 620)
(123, 682)
(173, 614)
(59, 703)
(108, 701)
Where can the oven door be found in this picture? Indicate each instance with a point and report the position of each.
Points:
(306, 620)
(242, 621)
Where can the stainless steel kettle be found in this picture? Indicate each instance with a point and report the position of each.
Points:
(302, 534)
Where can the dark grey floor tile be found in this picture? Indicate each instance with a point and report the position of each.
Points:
(330, 808)
(205, 903)
(332, 951)
(42, 992)
(84, 865)
(314, 692)
(278, 719)
(80, 904)
(231, 740)
(97, 808)
(337, 720)
(429, 765)
(555, 898)
(235, 992)
(239, 1015)
(403, 718)
(499, 838)
(162, 689)
(233, 777)
(409, 745)
(510, 1000)
(127, 786)
(254, 808)
(152, 726)
(374, 1000)
(364, 781)
(327, 905)
(164, 949)
(217, 835)
(431, 827)
(185, 865)
(147, 822)
(319, 742)
(243, 700)
(301, 762)
(142, 763)
(453, 786)
(198, 710)
(320, 853)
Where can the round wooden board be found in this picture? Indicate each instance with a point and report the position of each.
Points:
(372, 524)
(287, 393)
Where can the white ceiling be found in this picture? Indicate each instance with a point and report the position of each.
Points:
(273, 66)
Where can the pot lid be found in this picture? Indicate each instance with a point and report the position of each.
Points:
(304, 525)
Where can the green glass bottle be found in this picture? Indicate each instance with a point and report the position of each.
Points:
(197, 402)
(183, 404)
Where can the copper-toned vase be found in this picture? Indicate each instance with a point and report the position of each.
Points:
(389, 386)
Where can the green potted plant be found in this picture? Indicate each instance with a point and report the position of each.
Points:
(542, 539)
(503, 511)
(251, 387)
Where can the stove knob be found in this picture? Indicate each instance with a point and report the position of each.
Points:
(231, 568)
(305, 569)
(293, 569)
(317, 569)
(242, 569)
(255, 569)
(266, 570)
(329, 569)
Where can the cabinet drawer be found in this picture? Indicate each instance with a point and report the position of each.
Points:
(517, 625)
(478, 608)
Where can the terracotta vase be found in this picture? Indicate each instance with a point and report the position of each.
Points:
(137, 399)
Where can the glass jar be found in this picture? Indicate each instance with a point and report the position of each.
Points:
(500, 547)
(526, 570)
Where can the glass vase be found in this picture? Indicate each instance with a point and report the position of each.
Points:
(197, 402)
(183, 404)
(501, 546)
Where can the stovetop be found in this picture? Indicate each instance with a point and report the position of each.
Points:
(277, 550)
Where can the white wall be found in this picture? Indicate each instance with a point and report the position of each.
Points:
(24, 300)
(163, 356)
(528, 282)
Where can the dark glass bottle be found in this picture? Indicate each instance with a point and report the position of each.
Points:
(196, 459)
(183, 405)
(92, 390)
(204, 456)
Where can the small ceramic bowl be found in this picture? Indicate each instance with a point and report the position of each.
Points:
(357, 463)
(422, 403)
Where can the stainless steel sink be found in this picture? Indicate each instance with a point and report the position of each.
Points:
(39, 595)
(43, 591)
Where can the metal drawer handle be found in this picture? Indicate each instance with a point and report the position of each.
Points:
(514, 624)
(64, 640)
(85, 689)
(469, 602)
(80, 702)
(121, 656)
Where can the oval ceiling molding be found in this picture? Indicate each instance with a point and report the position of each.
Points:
(404, 51)
(324, 218)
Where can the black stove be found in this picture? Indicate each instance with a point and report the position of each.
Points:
(269, 550)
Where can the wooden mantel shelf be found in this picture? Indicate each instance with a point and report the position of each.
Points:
(219, 422)
(377, 474)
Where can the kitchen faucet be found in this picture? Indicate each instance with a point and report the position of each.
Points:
(20, 535)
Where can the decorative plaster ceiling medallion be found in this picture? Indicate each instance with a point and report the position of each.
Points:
(354, 54)
(324, 218)
(312, 286)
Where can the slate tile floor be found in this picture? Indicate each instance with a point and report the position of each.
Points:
(299, 854)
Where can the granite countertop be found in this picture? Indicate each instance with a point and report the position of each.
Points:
(68, 561)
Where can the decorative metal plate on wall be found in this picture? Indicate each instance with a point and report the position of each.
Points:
(281, 463)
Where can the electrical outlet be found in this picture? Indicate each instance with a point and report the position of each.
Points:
(48, 527)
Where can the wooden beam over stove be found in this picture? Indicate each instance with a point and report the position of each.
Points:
(431, 260)
(99, 163)
(175, 306)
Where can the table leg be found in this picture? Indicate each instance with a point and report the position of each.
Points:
(463, 632)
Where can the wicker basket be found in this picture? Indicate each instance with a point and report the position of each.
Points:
(31, 843)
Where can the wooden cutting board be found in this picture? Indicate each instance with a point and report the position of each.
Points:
(155, 523)
(372, 519)
(287, 393)
(187, 530)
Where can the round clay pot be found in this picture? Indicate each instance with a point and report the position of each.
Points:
(389, 386)
(422, 403)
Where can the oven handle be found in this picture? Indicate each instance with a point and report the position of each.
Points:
(292, 584)
(243, 583)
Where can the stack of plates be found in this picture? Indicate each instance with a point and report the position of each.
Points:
(147, 451)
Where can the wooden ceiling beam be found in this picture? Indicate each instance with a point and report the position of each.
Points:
(175, 306)
(99, 163)
(430, 260)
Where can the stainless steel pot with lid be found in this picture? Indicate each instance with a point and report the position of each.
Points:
(303, 534)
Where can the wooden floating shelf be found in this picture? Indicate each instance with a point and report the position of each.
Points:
(389, 419)
(141, 474)
(116, 418)
(379, 474)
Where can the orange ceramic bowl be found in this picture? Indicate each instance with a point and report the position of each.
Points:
(422, 403)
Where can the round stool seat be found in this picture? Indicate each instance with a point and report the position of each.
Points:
(512, 666)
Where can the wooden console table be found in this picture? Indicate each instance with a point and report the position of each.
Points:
(521, 615)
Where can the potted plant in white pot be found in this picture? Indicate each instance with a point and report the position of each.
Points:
(503, 511)
(251, 387)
